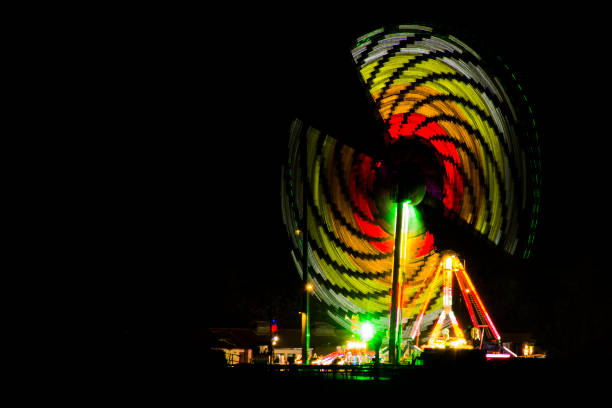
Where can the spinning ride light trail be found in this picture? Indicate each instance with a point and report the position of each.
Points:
(457, 142)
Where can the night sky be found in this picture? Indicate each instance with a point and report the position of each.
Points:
(193, 229)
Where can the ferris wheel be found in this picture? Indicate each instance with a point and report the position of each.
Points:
(458, 141)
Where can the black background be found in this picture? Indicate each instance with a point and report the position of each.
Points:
(197, 108)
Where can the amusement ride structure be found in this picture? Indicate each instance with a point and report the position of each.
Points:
(459, 147)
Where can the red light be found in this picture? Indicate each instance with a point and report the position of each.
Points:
(273, 328)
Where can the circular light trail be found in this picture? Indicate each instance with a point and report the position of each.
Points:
(455, 141)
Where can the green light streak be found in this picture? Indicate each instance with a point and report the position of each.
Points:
(412, 222)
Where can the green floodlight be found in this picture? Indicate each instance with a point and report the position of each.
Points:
(366, 331)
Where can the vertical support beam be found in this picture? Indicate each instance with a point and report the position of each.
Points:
(447, 285)
(394, 315)
(306, 304)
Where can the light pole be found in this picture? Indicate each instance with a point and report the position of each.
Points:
(394, 318)
(306, 326)
(307, 285)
